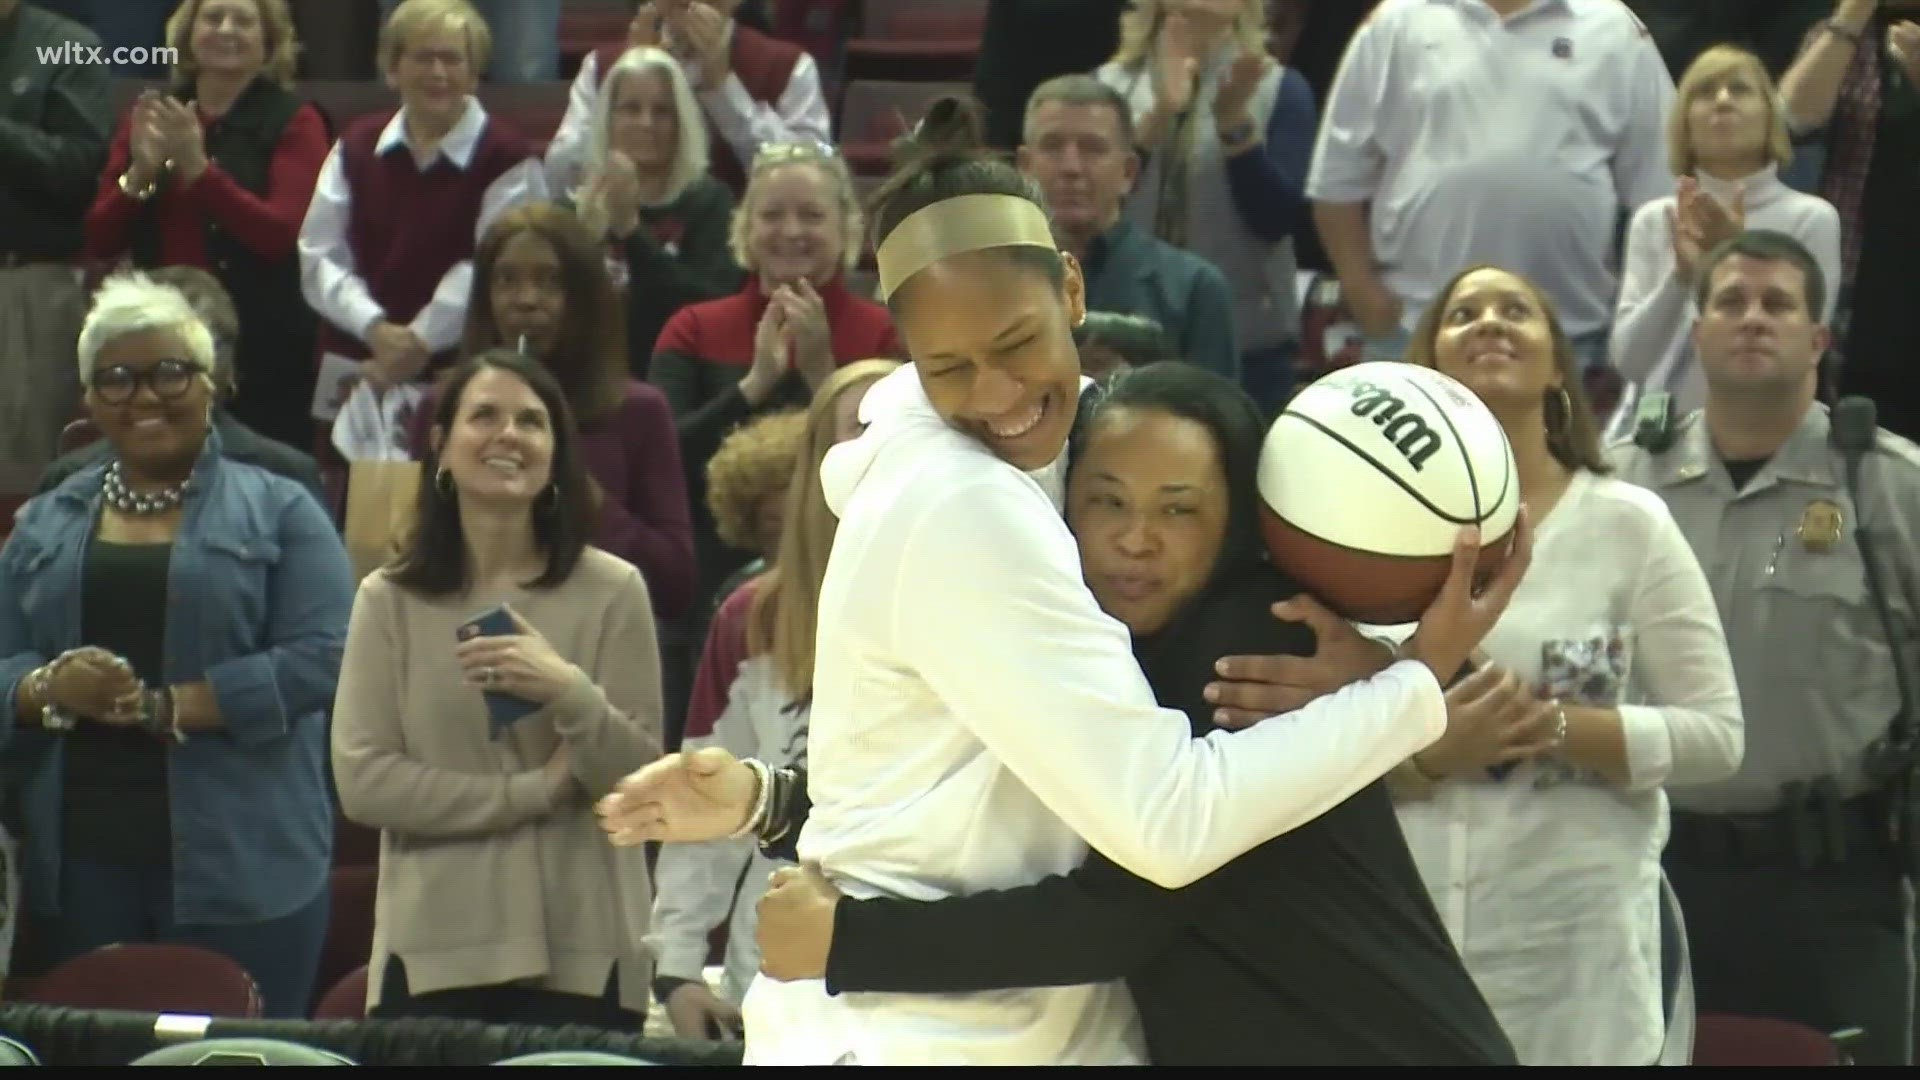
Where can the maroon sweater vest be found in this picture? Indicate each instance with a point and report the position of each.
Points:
(407, 228)
(764, 65)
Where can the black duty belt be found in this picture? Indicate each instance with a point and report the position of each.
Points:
(1798, 836)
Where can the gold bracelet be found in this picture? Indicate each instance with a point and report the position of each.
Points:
(143, 194)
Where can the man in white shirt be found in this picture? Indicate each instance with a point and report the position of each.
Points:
(753, 89)
(1510, 132)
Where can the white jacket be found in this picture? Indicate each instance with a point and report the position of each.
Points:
(976, 714)
(697, 884)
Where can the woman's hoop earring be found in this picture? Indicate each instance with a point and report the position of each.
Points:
(552, 496)
(1565, 426)
(443, 482)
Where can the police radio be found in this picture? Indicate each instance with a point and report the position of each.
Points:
(1653, 422)
(1890, 761)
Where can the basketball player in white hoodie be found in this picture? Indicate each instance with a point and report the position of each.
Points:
(977, 719)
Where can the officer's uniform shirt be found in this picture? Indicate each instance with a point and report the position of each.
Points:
(1816, 677)
(1514, 143)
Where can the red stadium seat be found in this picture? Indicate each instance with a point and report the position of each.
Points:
(584, 29)
(354, 844)
(917, 39)
(874, 113)
(1721, 1039)
(347, 1000)
(151, 978)
(349, 942)
(950, 21)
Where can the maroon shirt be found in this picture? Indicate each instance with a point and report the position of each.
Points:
(408, 227)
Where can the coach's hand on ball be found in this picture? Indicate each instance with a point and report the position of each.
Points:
(1252, 688)
(521, 664)
(683, 798)
(796, 924)
(1459, 617)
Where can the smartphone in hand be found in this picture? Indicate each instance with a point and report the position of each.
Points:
(503, 709)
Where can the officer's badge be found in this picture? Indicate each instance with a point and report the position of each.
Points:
(1820, 525)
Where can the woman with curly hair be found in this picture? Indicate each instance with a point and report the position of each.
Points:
(747, 488)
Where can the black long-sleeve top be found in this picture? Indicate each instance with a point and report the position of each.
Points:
(1026, 42)
(55, 119)
(678, 256)
(1320, 947)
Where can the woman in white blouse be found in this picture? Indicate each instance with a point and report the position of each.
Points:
(1539, 817)
(1727, 140)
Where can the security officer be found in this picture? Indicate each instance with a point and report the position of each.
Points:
(1794, 875)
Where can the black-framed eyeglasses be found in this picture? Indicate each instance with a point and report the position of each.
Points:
(169, 379)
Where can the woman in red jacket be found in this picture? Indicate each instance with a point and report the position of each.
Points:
(797, 231)
(217, 173)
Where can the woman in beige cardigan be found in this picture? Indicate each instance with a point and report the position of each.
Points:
(478, 751)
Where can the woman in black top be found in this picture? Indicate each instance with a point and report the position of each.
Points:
(649, 194)
(1320, 947)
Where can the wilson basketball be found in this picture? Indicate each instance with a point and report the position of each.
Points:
(1367, 478)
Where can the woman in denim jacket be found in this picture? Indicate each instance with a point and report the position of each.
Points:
(171, 623)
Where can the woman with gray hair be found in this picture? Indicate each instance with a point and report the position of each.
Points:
(647, 192)
(171, 622)
(237, 441)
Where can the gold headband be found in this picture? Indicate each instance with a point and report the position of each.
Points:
(949, 227)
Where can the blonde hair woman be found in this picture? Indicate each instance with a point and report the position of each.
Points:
(384, 191)
(216, 172)
(751, 697)
(648, 194)
(1225, 134)
(1727, 140)
(771, 345)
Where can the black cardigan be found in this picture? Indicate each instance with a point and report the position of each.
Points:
(1320, 947)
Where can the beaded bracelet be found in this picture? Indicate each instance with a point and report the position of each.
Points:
(40, 685)
(1560, 723)
(158, 716)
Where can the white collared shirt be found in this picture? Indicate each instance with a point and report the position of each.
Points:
(800, 115)
(1549, 880)
(328, 278)
(976, 714)
(1514, 142)
(1652, 341)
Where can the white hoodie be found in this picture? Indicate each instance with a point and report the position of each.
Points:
(976, 715)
